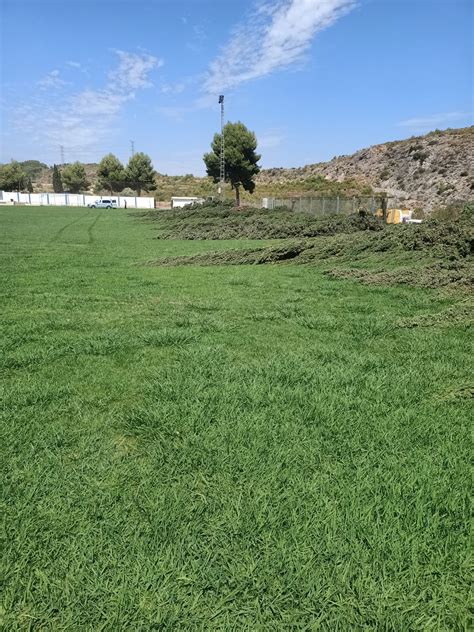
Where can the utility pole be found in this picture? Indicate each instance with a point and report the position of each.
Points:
(384, 207)
(61, 151)
(222, 159)
(132, 147)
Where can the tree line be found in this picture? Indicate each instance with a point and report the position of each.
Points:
(137, 176)
(240, 157)
(13, 177)
(112, 175)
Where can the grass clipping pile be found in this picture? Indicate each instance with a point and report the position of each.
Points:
(216, 220)
(439, 253)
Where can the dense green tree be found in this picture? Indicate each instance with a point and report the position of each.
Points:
(33, 168)
(240, 158)
(74, 178)
(12, 177)
(140, 174)
(29, 185)
(111, 174)
(127, 192)
(57, 180)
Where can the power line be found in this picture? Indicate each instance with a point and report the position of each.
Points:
(92, 155)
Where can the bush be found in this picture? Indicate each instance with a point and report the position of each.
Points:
(444, 187)
(453, 212)
(418, 213)
(128, 192)
(420, 155)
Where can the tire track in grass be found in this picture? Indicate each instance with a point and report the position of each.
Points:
(90, 229)
(57, 235)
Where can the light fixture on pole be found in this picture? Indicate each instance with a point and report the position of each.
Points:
(222, 159)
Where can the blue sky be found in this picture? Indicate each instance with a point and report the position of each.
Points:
(312, 78)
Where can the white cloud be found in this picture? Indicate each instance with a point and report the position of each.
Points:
(199, 32)
(277, 35)
(98, 102)
(177, 87)
(196, 38)
(424, 123)
(132, 71)
(84, 120)
(73, 64)
(172, 88)
(52, 80)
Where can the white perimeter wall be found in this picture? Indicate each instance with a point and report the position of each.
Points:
(73, 199)
(179, 202)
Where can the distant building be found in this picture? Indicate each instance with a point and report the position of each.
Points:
(177, 202)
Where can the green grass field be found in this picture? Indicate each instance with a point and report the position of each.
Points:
(223, 448)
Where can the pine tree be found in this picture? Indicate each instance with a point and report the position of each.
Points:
(140, 174)
(57, 181)
(110, 174)
(240, 158)
(74, 178)
(12, 177)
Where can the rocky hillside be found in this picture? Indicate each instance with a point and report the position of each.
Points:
(426, 171)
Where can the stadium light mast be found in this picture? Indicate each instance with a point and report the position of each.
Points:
(222, 159)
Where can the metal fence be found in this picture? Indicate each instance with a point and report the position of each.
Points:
(330, 205)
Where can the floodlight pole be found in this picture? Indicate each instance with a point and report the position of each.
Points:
(222, 159)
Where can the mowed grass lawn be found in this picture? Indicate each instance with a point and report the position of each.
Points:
(222, 448)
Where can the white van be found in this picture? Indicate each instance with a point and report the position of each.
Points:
(103, 204)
